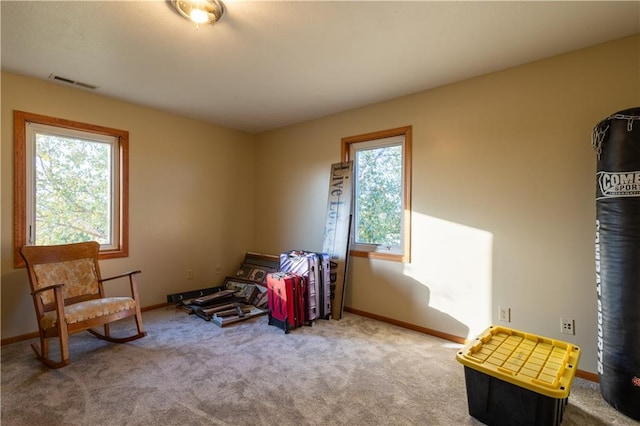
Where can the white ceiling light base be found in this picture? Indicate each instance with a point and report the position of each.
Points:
(199, 11)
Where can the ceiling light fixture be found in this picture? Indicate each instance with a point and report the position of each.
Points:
(199, 11)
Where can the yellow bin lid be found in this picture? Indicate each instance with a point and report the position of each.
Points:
(540, 364)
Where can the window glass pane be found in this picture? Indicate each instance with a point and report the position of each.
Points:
(379, 196)
(72, 190)
(381, 226)
(71, 184)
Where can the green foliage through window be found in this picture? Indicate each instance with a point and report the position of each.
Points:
(72, 190)
(71, 184)
(381, 227)
(379, 195)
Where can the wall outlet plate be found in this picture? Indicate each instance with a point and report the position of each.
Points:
(504, 314)
(567, 326)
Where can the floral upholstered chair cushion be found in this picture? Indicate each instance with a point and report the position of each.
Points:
(83, 311)
(79, 278)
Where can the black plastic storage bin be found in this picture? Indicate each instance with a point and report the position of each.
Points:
(496, 402)
(517, 378)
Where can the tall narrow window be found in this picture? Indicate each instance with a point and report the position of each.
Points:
(70, 184)
(382, 193)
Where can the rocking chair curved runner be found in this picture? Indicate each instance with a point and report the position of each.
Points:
(68, 296)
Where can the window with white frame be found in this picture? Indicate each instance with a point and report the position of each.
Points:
(71, 184)
(381, 225)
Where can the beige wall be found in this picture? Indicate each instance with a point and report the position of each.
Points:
(503, 195)
(191, 195)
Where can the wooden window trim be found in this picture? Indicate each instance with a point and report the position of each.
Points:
(405, 257)
(20, 120)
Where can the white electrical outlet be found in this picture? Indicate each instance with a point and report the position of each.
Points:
(504, 314)
(189, 274)
(567, 326)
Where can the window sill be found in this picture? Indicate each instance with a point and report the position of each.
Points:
(381, 256)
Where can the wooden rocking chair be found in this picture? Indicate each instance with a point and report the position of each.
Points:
(68, 296)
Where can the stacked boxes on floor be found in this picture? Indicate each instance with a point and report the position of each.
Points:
(238, 298)
(518, 378)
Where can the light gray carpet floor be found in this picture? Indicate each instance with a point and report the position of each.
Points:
(356, 371)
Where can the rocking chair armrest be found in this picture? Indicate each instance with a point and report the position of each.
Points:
(49, 287)
(58, 303)
(132, 282)
(126, 274)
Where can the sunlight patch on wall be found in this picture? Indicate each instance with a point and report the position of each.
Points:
(455, 262)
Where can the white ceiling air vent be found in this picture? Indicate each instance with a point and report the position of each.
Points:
(72, 82)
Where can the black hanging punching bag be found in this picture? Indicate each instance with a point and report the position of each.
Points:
(616, 141)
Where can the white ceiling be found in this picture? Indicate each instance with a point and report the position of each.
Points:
(269, 64)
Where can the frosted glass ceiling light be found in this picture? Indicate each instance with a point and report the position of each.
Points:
(199, 16)
(199, 11)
